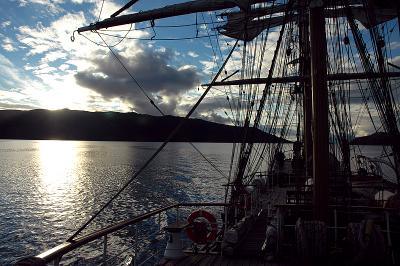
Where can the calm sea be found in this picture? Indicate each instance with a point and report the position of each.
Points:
(49, 188)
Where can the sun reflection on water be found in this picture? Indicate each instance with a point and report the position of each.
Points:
(58, 163)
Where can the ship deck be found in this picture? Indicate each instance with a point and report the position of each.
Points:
(216, 259)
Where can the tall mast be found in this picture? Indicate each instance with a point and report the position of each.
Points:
(320, 137)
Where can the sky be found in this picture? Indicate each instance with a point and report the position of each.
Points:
(40, 67)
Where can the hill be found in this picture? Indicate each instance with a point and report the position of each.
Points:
(378, 138)
(82, 125)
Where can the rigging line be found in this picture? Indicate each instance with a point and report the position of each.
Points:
(133, 78)
(168, 26)
(168, 139)
(161, 39)
(125, 7)
(107, 46)
(217, 38)
(210, 162)
(244, 155)
(152, 102)
(155, 106)
(258, 152)
(393, 65)
(101, 10)
(278, 100)
(220, 52)
(230, 171)
(262, 52)
(219, 100)
(211, 43)
(385, 95)
(227, 77)
(365, 99)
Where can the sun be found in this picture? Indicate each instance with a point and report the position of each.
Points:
(57, 99)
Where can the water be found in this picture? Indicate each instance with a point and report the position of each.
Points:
(49, 188)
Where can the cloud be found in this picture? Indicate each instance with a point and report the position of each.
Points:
(157, 77)
(12, 87)
(215, 117)
(84, 72)
(192, 54)
(394, 45)
(40, 39)
(5, 24)
(52, 6)
(53, 56)
(8, 45)
(8, 74)
(82, 1)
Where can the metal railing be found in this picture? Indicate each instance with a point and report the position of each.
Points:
(333, 225)
(56, 254)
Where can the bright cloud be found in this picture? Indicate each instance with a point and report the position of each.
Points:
(5, 24)
(52, 6)
(8, 45)
(193, 54)
(84, 75)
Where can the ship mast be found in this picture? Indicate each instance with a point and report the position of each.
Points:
(320, 130)
(313, 68)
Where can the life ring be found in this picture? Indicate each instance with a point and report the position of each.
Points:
(199, 231)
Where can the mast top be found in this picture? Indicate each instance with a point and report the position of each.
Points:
(243, 24)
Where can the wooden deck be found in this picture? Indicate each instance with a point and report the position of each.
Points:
(211, 259)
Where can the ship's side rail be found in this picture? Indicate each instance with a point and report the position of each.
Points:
(338, 225)
(102, 237)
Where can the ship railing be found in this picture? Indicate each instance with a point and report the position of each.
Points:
(97, 245)
(386, 218)
(303, 194)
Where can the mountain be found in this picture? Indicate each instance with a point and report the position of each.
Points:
(81, 125)
(378, 138)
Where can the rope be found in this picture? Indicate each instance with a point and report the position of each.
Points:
(210, 162)
(158, 109)
(133, 78)
(162, 39)
(171, 135)
(107, 45)
(101, 10)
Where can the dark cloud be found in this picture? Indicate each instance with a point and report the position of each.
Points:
(211, 108)
(163, 82)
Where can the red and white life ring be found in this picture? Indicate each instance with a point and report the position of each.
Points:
(199, 230)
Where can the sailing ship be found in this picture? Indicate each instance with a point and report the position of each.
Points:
(321, 202)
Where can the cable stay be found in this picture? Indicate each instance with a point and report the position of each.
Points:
(161, 147)
(125, 7)
(154, 104)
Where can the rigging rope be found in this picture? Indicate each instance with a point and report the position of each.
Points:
(155, 105)
(170, 136)
(107, 45)
(245, 152)
(133, 78)
(101, 10)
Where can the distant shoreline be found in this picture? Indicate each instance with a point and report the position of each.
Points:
(113, 126)
(198, 142)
